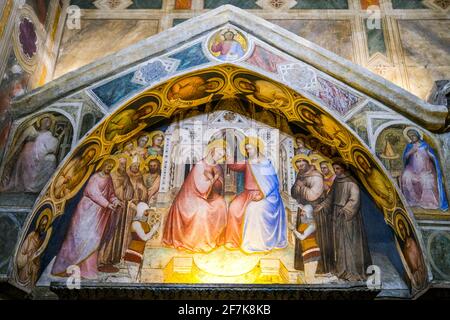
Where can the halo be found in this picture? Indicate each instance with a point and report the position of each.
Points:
(152, 134)
(358, 166)
(122, 145)
(303, 108)
(219, 81)
(130, 160)
(301, 135)
(300, 157)
(400, 217)
(46, 115)
(150, 158)
(317, 159)
(330, 167)
(151, 103)
(228, 31)
(238, 81)
(117, 157)
(219, 143)
(257, 142)
(102, 161)
(405, 132)
(136, 140)
(47, 212)
(85, 152)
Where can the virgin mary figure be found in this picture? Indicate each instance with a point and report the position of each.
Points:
(198, 216)
(421, 180)
(256, 217)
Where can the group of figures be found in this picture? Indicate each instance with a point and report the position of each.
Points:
(110, 184)
(200, 220)
(109, 223)
(329, 229)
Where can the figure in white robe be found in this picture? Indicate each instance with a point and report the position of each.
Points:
(36, 161)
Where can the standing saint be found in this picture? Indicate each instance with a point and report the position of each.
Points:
(137, 180)
(198, 215)
(115, 237)
(152, 179)
(28, 257)
(309, 189)
(328, 175)
(421, 180)
(83, 239)
(413, 255)
(257, 218)
(36, 161)
(351, 251)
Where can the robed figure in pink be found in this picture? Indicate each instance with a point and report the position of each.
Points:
(421, 180)
(198, 215)
(83, 239)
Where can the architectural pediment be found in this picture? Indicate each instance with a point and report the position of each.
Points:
(312, 57)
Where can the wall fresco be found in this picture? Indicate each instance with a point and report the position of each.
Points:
(206, 140)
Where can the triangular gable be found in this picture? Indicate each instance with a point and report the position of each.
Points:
(319, 74)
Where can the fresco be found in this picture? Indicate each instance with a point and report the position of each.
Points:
(13, 84)
(110, 93)
(221, 175)
(228, 45)
(39, 144)
(412, 160)
(334, 35)
(422, 45)
(81, 47)
(265, 59)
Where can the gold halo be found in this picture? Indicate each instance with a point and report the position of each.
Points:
(329, 163)
(85, 152)
(400, 217)
(141, 135)
(300, 157)
(46, 115)
(358, 166)
(255, 141)
(152, 134)
(47, 212)
(151, 103)
(219, 143)
(405, 133)
(317, 159)
(150, 158)
(102, 161)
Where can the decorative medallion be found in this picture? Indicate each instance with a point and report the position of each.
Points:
(228, 44)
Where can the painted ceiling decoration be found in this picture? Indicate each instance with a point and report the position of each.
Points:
(230, 90)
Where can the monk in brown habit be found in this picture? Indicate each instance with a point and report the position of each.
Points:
(309, 189)
(114, 241)
(351, 251)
